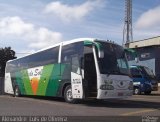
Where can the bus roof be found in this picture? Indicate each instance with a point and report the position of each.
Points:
(63, 43)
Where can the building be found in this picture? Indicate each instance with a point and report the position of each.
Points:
(148, 52)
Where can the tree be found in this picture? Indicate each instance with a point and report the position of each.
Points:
(5, 54)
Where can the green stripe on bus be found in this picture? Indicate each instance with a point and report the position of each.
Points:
(63, 66)
(19, 82)
(53, 84)
(26, 81)
(44, 79)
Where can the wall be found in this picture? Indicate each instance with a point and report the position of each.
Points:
(1, 85)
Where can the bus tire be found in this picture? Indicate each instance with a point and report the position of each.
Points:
(17, 92)
(68, 95)
(137, 91)
(147, 92)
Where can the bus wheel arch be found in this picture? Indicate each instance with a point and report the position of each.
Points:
(67, 94)
(63, 88)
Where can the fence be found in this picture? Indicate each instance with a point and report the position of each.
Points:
(1, 85)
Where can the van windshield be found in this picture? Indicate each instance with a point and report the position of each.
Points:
(114, 61)
(148, 72)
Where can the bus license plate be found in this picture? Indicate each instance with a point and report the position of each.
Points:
(120, 94)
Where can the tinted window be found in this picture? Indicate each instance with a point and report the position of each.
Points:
(49, 56)
(147, 72)
(75, 64)
(70, 50)
(69, 53)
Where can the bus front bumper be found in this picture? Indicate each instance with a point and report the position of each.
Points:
(109, 94)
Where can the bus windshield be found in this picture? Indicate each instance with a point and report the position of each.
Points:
(114, 61)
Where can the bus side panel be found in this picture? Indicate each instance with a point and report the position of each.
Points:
(21, 79)
(8, 88)
(51, 80)
(19, 82)
(54, 81)
(50, 83)
(65, 78)
(44, 79)
(26, 82)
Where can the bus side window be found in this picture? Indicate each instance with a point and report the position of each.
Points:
(49, 56)
(75, 64)
(70, 55)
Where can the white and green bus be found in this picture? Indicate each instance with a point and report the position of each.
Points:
(77, 69)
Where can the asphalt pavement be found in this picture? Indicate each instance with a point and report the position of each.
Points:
(135, 106)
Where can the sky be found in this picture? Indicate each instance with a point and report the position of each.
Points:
(30, 25)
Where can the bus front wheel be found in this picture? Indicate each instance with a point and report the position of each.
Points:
(68, 95)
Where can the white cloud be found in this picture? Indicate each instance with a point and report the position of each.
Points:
(149, 19)
(36, 37)
(144, 34)
(14, 25)
(76, 12)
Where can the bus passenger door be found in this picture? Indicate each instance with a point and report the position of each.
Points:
(90, 74)
(76, 78)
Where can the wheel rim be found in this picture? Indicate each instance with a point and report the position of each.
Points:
(69, 95)
(136, 91)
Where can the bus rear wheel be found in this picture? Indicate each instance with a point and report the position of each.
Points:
(17, 92)
(68, 95)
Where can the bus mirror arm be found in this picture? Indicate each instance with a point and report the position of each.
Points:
(100, 51)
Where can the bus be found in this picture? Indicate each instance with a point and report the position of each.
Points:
(83, 68)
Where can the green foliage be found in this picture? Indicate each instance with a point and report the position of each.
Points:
(5, 54)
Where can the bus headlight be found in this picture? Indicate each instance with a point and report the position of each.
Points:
(106, 87)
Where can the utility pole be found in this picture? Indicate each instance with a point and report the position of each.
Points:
(127, 30)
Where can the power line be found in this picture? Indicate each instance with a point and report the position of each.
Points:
(23, 53)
